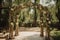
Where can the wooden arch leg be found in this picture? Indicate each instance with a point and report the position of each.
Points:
(11, 36)
(41, 31)
(17, 29)
(47, 33)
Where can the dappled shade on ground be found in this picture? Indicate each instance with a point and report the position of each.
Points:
(30, 36)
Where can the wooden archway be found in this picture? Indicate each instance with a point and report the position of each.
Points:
(14, 15)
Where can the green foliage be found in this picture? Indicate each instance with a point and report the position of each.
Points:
(53, 13)
(25, 13)
(58, 3)
(55, 34)
(37, 1)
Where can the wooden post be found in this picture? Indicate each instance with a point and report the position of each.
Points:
(11, 25)
(11, 30)
(47, 31)
(48, 19)
(41, 24)
(16, 30)
(17, 26)
(41, 30)
(41, 8)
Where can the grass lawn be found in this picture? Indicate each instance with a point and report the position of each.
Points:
(55, 34)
